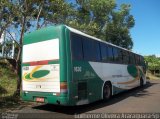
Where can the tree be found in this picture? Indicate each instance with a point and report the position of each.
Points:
(117, 30)
(6, 15)
(91, 16)
(25, 13)
(53, 12)
(153, 63)
(100, 19)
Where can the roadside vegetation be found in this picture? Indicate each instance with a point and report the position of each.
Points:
(7, 85)
(150, 76)
(153, 66)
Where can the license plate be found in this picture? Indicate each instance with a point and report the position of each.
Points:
(40, 99)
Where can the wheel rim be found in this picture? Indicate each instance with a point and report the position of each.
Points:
(141, 82)
(107, 92)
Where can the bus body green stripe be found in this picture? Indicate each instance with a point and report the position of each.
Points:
(42, 35)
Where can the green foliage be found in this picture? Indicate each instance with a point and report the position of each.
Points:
(100, 19)
(8, 87)
(91, 16)
(25, 15)
(6, 16)
(117, 30)
(7, 80)
(153, 62)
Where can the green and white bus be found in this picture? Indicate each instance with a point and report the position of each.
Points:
(64, 66)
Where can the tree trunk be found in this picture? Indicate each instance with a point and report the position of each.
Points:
(18, 60)
(38, 26)
(1, 34)
(18, 72)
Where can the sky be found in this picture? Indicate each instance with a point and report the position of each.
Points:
(146, 32)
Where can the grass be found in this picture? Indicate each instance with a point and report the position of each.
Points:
(152, 77)
(7, 79)
(158, 75)
(7, 85)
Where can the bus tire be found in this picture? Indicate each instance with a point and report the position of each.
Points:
(107, 91)
(141, 82)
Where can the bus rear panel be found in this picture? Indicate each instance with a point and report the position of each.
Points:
(44, 75)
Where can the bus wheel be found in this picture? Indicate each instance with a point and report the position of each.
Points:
(107, 91)
(141, 82)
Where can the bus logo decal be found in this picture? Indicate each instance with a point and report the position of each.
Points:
(35, 74)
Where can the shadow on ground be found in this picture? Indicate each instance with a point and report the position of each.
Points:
(138, 92)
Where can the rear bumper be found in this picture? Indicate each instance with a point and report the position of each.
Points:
(48, 97)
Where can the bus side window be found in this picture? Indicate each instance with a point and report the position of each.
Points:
(115, 53)
(76, 47)
(137, 59)
(110, 54)
(120, 55)
(132, 58)
(104, 53)
(125, 57)
(142, 63)
(139, 63)
(88, 49)
(97, 51)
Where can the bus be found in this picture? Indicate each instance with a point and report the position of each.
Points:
(64, 66)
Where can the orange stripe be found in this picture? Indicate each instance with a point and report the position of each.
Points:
(63, 85)
(39, 63)
(42, 62)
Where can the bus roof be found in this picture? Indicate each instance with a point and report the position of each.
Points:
(89, 36)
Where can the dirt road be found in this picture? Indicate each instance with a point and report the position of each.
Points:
(138, 100)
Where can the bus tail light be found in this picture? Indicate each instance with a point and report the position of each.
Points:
(63, 87)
